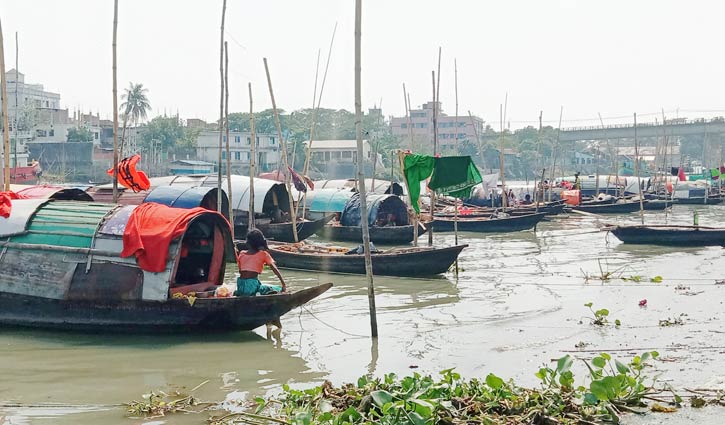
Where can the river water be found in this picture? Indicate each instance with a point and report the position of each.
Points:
(516, 304)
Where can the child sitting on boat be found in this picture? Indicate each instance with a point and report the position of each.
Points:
(251, 263)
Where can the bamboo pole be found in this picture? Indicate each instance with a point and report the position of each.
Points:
(314, 103)
(361, 173)
(455, 83)
(615, 156)
(115, 104)
(636, 172)
(6, 129)
(504, 198)
(15, 126)
(406, 100)
(226, 129)
(287, 179)
(221, 106)
(555, 153)
(435, 151)
(664, 160)
(252, 160)
(539, 163)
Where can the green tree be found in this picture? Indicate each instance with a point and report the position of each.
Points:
(134, 107)
(79, 135)
(168, 134)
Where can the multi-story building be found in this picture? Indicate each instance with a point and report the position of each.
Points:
(451, 129)
(338, 158)
(240, 144)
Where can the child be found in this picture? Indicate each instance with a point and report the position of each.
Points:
(251, 262)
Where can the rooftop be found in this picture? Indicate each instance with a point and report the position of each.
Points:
(334, 144)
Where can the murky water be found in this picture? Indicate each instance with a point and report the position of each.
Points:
(516, 304)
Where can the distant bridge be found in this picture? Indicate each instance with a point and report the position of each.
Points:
(676, 127)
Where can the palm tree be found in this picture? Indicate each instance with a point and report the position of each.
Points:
(134, 106)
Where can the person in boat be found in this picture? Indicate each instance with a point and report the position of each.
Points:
(251, 263)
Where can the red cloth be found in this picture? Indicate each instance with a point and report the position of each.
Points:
(150, 230)
(129, 177)
(6, 204)
(681, 174)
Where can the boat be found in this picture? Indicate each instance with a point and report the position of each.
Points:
(657, 204)
(485, 225)
(552, 208)
(669, 235)
(62, 269)
(387, 221)
(701, 200)
(407, 262)
(610, 208)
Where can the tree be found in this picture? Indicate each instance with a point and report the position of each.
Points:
(135, 105)
(79, 135)
(168, 134)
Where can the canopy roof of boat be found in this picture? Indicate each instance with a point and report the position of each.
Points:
(381, 186)
(53, 192)
(328, 200)
(379, 208)
(77, 223)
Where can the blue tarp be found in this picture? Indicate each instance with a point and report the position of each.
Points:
(328, 200)
(380, 207)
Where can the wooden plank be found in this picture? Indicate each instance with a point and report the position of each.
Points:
(36, 273)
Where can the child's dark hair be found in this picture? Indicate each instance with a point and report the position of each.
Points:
(256, 240)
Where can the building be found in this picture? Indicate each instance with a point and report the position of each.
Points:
(451, 129)
(190, 166)
(268, 155)
(337, 159)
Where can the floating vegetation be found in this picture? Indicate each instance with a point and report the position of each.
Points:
(673, 321)
(158, 403)
(613, 388)
(600, 317)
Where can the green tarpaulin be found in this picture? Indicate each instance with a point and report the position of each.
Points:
(451, 175)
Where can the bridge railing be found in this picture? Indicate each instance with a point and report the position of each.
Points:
(677, 121)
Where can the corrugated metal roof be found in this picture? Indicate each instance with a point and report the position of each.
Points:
(65, 223)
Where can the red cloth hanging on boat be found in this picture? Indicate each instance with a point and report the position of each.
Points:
(129, 176)
(6, 204)
(681, 174)
(150, 230)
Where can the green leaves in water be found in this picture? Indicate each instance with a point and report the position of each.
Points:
(449, 399)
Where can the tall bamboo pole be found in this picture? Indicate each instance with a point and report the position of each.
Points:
(407, 117)
(539, 162)
(226, 130)
(455, 79)
(361, 172)
(115, 104)
(555, 153)
(504, 198)
(435, 152)
(252, 161)
(221, 106)
(287, 179)
(15, 126)
(6, 129)
(636, 171)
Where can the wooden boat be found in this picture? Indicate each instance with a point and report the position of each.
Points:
(609, 208)
(669, 235)
(378, 234)
(419, 261)
(61, 268)
(554, 209)
(657, 204)
(485, 225)
(282, 232)
(698, 201)
(387, 220)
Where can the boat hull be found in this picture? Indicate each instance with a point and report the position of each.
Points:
(172, 316)
(618, 208)
(282, 232)
(670, 235)
(379, 235)
(421, 262)
(481, 225)
(698, 201)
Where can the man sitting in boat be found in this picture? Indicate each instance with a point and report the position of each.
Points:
(251, 263)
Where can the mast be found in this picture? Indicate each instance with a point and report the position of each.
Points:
(292, 212)
(361, 173)
(555, 153)
(539, 163)
(221, 107)
(6, 132)
(252, 160)
(407, 116)
(435, 151)
(115, 104)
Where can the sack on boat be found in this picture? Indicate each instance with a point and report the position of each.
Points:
(226, 290)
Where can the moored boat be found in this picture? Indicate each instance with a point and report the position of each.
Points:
(411, 261)
(63, 268)
(486, 225)
(669, 235)
(610, 208)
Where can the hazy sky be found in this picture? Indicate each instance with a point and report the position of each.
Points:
(615, 57)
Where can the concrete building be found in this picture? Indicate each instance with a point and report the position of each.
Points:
(451, 129)
(240, 143)
(337, 159)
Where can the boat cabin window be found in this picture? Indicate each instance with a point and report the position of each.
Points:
(201, 257)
